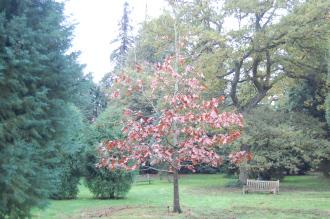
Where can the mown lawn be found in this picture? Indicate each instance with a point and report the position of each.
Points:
(202, 196)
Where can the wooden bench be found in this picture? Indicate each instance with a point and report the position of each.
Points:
(143, 178)
(261, 186)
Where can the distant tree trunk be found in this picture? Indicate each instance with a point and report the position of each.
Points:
(176, 198)
(243, 174)
(243, 170)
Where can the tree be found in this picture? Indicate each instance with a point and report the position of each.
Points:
(37, 74)
(154, 41)
(89, 98)
(103, 183)
(282, 142)
(254, 55)
(182, 129)
(72, 141)
(125, 39)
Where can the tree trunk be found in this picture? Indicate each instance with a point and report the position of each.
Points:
(243, 170)
(243, 174)
(176, 198)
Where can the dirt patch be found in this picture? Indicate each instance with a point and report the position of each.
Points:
(231, 213)
(125, 212)
(136, 212)
(100, 212)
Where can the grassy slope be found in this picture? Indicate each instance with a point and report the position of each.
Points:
(202, 196)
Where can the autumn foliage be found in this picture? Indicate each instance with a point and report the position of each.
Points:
(182, 130)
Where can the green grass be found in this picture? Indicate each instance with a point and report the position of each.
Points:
(202, 196)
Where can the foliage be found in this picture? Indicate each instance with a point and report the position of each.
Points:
(180, 107)
(155, 40)
(254, 52)
(89, 98)
(73, 142)
(261, 44)
(243, 48)
(102, 183)
(309, 92)
(37, 74)
(327, 101)
(125, 39)
(182, 127)
(282, 143)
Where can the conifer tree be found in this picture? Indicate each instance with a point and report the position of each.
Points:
(119, 55)
(37, 77)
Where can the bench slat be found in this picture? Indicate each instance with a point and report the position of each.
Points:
(262, 185)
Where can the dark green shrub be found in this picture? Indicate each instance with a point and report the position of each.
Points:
(206, 169)
(324, 167)
(282, 143)
(106, 184)
(67, 187)
(71, 147)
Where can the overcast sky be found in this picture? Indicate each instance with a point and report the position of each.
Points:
(97, 25)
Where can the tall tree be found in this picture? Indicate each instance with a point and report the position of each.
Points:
(124, 38)
(37, 74)
(254, 54)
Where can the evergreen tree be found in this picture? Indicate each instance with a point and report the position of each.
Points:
(37, 77)
(73, 143)
(124, 38)
(89, 98)
(103, 183)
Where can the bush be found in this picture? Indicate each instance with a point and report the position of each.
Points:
(106, 184)
(324, 167)
(70, 147)
(67, 187)
(282, 143)
(205, 169)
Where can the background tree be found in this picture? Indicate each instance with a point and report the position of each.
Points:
(257, 51)
(125, 39)
(154, 41)
(250, 61)
(291, 145)
(89, 97)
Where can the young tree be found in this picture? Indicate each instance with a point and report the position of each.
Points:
(71, 147)
(181, 130)
(101, 182)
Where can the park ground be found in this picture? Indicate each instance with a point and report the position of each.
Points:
(202, 196)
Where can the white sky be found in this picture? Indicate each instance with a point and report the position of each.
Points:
(97, 25)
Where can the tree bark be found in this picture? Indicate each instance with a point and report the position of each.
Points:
(243, 175)
(176, 197)
(243, 170)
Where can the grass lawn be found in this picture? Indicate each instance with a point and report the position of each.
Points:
(202, 196)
